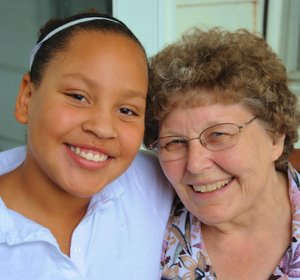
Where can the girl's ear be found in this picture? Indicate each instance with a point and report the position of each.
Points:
(23, 100)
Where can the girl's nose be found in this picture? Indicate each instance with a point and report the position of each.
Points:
(101, 123)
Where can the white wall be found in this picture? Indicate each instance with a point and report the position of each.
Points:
(143, 17)
(158, 22)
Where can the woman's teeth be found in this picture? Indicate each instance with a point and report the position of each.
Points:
(89, 155)
(211, 187)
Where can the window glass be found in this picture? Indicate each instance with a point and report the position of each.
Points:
(19, 24)
(68, 7)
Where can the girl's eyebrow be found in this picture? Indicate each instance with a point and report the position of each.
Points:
(82, 77)
(93, 84)
(134, 94)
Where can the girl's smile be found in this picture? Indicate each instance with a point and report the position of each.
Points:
(88, 112)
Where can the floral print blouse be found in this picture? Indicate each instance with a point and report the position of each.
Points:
(184, 255)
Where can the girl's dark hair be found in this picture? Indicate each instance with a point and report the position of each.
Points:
(59, 41)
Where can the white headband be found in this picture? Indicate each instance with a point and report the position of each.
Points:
(60, 28)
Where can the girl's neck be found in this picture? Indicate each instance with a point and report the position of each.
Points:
(43, 202)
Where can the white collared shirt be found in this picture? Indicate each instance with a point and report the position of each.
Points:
(119, 238)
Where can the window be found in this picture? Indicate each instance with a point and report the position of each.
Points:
(19, 24)
(284, 36)
(69, 7)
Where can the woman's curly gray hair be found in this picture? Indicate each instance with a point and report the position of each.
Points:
(236, 67)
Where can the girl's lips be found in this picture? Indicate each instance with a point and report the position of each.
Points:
(88, 157)
(207, 188)
(88, 154)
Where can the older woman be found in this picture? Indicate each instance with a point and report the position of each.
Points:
(223, 122)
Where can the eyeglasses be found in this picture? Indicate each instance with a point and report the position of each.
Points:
(218, 137)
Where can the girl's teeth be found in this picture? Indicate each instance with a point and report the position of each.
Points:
(89, 155)
(210, 187)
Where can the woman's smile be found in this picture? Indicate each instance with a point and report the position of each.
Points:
(208, 188)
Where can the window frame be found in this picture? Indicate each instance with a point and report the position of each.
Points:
(283, 28)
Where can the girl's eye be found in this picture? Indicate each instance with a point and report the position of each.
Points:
(127, 111)
(77, 96)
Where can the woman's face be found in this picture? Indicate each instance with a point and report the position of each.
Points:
(220, 186)
(86, 118)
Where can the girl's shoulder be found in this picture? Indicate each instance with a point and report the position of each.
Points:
(12, 158)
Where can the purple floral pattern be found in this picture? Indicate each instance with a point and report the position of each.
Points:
(184, 254)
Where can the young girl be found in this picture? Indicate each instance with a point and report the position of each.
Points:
(67, 212)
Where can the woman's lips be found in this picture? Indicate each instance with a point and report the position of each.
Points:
(206, 188)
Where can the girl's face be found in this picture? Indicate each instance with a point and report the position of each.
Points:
(221, 186)
(86, 118)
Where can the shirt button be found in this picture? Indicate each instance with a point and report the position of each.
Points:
(77, 250)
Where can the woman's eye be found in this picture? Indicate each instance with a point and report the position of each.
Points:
(216, 134)
(176, 143)
(127, 111)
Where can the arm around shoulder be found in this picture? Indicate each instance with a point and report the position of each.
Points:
(152, 181)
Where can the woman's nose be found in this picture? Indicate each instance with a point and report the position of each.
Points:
(198, 157)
